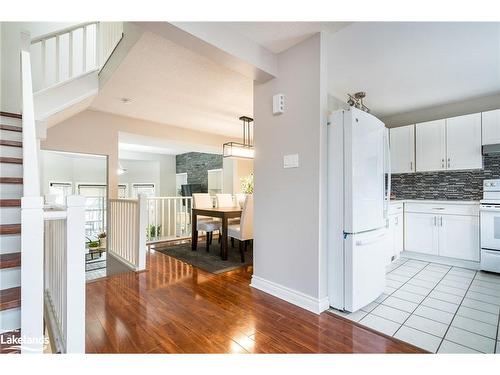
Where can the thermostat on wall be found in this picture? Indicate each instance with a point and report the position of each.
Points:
(278, 104)
(291, 161)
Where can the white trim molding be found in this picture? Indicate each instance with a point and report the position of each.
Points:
(295, 297)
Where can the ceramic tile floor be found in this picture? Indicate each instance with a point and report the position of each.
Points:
(439, 308)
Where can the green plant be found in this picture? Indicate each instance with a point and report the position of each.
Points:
(247, 184)
(92, 244)
(101, 235)
(153, 231)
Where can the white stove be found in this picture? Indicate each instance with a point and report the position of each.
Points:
(490, 226)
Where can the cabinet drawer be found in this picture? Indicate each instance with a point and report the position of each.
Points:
(443, 209)
(395, 208)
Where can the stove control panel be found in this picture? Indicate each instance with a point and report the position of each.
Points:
(491, 185)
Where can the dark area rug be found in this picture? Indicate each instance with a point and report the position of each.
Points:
(211, 261)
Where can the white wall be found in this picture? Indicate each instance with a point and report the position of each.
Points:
(290, 214)
(60, 167)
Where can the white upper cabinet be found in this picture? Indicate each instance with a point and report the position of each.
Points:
(431, 146)
(491, 127)
(403, 149)
(463, 142)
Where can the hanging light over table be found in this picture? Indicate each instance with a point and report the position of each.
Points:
(241, 150)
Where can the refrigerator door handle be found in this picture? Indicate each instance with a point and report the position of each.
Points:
(371, 240)
(387, 172)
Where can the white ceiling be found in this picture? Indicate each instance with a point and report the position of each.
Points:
(409, 66)
(173, 85)
(163, 146)
(279, 36)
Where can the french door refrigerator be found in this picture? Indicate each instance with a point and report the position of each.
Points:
(358, 202)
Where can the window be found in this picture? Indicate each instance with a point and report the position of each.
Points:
(215, 181)
(180, 179)
(148, 189)
(122, 191)
(59, 191)
(95, 208)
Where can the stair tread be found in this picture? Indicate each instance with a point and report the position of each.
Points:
(11, 180)
(5, 347)
(10, 298)
(11, 128)
(11, 160)
(4, 142)
(10, 229)
(10, 203)
(10, 260)
(10, 114)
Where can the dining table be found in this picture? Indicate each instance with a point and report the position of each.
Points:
(223, 213)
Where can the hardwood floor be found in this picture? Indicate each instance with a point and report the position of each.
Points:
(175, 308)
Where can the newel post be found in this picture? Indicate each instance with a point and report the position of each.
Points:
(142, 222)
(75, 280)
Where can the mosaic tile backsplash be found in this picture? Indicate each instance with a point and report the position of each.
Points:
(459, 185)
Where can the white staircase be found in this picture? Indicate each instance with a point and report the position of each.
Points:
(11, 190)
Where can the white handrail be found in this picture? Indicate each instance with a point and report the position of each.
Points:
(64, 275)
(168, 218)
(72, 52)
(127, 231)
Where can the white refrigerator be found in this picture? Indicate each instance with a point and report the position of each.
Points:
(358, 203)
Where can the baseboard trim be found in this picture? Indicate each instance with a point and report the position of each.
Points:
(443, 260)
(297, 298)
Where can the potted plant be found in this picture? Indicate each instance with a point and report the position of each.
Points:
(92, 244)
(246, 187)
(153, 231)
(102, 239)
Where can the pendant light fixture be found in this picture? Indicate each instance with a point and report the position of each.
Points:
(243, 150)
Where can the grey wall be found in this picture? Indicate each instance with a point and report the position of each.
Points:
(196, 165)
(290, 204)
(446, 185)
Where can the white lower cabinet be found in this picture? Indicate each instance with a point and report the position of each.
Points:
(421, 233)
(445, 230)
(459, 237)
(396, 232)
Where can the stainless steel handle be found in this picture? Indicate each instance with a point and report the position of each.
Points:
(449, 163)
(411, 166)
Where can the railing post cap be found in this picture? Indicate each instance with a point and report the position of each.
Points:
(75, 201)
(31, 202)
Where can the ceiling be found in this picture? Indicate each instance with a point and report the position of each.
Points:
(163, 146)
(172, 85)
(410, 66)
(279, 36)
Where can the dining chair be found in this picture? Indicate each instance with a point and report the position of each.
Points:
(206, 224)
(244, 230)
(226, 200)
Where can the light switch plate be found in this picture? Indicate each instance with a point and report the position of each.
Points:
(278, 104)
(291, 161)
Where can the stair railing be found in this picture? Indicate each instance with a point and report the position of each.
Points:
(72, 52)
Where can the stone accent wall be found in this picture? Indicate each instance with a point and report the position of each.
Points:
(196, 165)
(461, 185)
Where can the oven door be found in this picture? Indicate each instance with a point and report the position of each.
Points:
(490, 227)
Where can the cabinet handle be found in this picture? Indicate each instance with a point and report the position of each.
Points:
(442, 164)
(435, 220)
(441, 221)
(411, 166)
(449, 163)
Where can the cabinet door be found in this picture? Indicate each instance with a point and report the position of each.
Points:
(421, 233)
(431, 146)
(463, 142)
(459, 237)
(398, 235)
(491, 127)
(403, 149)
